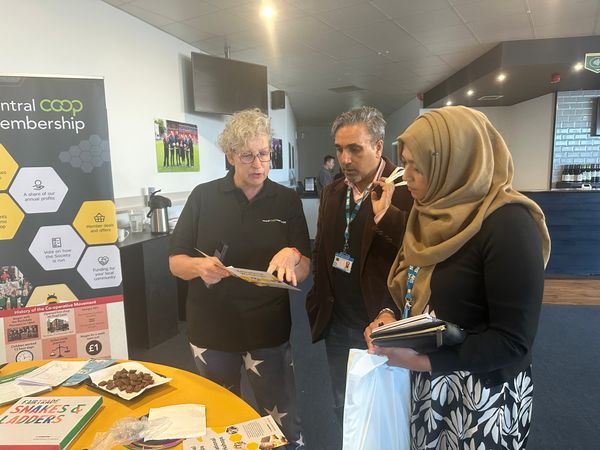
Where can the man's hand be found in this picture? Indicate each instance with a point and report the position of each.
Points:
(284, 263)
(382, 202)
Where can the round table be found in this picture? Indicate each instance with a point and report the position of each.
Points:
(222, 407)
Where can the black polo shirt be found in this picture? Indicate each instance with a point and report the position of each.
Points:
(234, 315)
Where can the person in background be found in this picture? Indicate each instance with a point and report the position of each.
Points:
(325, 176)
(477, 250)
(233, 323)
(358, 235)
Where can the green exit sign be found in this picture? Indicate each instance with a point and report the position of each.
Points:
(592, 62)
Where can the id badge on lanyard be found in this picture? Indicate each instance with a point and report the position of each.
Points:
(342, 260)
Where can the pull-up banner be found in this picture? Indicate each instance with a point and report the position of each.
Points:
(60, 270)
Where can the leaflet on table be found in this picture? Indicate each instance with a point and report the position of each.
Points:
(11, 391)
(259, 278)
(52, 373)
(260, 434)
(183, 421)
(92, 366)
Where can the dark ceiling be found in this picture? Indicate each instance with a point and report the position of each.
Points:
(529, 66)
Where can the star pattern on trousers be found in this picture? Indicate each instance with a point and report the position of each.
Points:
(198, 353)
(251, 363)
(300, 442)
(276, 415)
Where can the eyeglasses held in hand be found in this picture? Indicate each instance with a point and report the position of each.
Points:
(248, 158)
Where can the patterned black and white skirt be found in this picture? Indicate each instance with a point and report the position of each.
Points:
(456, 412)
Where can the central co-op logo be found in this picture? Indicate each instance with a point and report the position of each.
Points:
(57, 105)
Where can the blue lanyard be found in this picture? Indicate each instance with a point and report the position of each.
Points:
(410, 281)
(351, 216)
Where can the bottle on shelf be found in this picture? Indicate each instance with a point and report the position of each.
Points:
(578, 173)
(565, 174)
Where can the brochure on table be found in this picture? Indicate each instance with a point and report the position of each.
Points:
(11, 390)
(60, 271)
(254, 434)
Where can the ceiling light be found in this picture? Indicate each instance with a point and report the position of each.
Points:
(577, 67)
(267, 11)
(449, 103)
(501, 77)
(470, 92)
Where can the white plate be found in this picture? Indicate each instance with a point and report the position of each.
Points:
(107, 374)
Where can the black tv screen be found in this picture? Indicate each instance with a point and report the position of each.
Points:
(225, 86)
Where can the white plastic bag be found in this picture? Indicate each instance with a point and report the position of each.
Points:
(377, 404)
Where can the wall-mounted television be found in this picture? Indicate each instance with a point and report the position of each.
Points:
(224, 86)
(595, 117)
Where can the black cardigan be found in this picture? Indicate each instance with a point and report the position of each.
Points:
(492, 287)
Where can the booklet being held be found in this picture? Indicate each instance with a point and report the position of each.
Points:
(422, 333)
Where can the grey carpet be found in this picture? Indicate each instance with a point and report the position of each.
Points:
(566, 368)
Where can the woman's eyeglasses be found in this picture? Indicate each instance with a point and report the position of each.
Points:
(248, 158)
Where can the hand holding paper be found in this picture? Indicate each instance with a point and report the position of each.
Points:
(284, 262)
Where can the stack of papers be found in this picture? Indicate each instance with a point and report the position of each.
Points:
(11, 390)
(409, 322)
(51, 374)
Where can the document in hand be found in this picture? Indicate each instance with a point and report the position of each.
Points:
(422, 333)
(260, 278)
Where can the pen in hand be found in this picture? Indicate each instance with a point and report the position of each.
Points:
(213, 271)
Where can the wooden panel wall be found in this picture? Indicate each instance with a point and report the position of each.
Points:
(573, 219)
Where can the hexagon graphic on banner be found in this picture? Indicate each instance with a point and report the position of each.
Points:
(100, 266)
(50, 294)
(96, 222)
(38, 190)
(11, 217)
(56, 247)
(8, 168)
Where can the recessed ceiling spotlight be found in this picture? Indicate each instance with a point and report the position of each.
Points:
(267, 11)
(577, 67)
(470, 92)
(449, 103)
(501, 77)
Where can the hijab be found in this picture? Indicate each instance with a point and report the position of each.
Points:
(469, 173)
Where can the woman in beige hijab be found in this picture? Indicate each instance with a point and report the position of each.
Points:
(478, 249)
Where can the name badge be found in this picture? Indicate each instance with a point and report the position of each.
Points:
(343, 262)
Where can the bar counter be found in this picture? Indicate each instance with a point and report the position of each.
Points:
(573, 218)
(149, 289)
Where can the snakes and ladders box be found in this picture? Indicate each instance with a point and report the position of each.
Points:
(46, 423)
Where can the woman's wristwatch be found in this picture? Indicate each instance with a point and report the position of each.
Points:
(386, 310)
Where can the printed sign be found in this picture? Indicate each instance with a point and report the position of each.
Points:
(60, 272)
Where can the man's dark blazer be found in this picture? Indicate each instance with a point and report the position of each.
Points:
(380, 244)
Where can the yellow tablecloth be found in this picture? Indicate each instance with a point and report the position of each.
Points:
(222, 407)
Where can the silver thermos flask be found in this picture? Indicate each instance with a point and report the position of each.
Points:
(158, 214)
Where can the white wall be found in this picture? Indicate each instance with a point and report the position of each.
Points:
(527, 129)
(397, 122)
(146, 73)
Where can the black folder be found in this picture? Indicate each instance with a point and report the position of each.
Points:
(423, 334)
